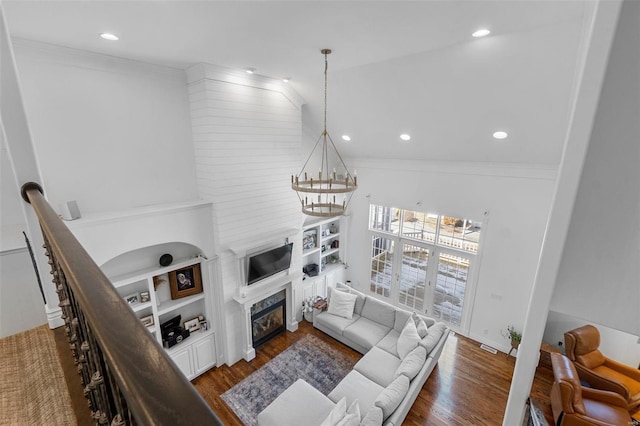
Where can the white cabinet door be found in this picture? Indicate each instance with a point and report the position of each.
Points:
(204, 354)
(183, 360)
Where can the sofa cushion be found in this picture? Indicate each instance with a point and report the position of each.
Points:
(421, 326)
(365, 332)
(374, 417)
(412, 363)
(334, 322)
(391, 397)
(431, 340)
(408, 339)
(390, 342)
(378, 365)
(352, 416)
(379, 312)
(356, 386)
(336, 414)
(360, 298)
(314, 411)
(401, 320)
(342, 304)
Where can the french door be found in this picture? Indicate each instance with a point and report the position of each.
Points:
(422, 278)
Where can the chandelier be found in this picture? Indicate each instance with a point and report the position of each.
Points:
(318, 196)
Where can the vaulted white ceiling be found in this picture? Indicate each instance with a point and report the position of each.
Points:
(397, 67)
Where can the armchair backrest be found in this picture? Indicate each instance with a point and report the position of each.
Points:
(582, 346)
(567, 384)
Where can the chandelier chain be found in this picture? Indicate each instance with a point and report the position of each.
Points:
(326, 67)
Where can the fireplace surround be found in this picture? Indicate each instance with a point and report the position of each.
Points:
(268, 318)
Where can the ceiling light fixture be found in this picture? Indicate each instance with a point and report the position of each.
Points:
(109, 36)
(286, 79)
(500, 134)
(328, 183)
(405, 137)
(483, 32)
(250, 70)
(346, 138)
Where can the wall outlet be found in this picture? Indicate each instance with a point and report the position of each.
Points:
(559, 343)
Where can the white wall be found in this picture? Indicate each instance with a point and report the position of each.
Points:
(108, 132)
(518, 201)
(21, 304)
(599, 276)
(247, 137)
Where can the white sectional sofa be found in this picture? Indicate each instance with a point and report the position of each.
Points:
(386, 381)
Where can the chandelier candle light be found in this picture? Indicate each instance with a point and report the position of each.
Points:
(329, 183)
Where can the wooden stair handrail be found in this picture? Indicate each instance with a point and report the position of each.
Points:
(156, 391)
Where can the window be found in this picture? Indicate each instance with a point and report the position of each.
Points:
(437, 253)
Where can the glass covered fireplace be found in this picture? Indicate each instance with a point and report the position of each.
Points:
(268, 318)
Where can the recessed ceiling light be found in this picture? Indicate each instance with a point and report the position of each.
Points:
(109, 36)
(482, 32)
(250, 70)
(500, 134)
(405, 137)
(286, 79)
(346, 138)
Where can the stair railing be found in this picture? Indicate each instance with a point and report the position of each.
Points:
(128, 377)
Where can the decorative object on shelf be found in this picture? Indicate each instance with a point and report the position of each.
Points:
(132, 299)
(514, 336)
(172, 333)
(335, 244)
(311, 269)
(165, 259)
(145, 296)
(185, 282)
(158, 280)
(309, 240)
(192, 325)
(147, 321)
(333, 229)
(328, 183)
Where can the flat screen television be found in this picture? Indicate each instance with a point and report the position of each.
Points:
(268, 263)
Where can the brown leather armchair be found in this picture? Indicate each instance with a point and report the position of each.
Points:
(598, 371)
(574, 405)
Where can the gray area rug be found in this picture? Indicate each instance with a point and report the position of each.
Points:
(309, 359)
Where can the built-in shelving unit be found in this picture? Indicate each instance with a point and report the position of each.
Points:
(323, 244)
(195, 354)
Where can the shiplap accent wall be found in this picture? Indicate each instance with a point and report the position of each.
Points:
(247, 133)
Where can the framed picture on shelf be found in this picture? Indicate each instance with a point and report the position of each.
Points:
(145, 297)
(147, 321)
(185, 282)
(132, 299)
(192, 325)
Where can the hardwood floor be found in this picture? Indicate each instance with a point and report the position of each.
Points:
(469, 386)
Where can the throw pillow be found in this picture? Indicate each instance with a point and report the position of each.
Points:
(391, 397)
(374, 417)
(352, 417)
(337, 413)
(421, 326)
(408, 339)
(342, 304)
(412, 363)
(435, 333)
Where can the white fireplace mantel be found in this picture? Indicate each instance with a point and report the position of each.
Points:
(248, 297)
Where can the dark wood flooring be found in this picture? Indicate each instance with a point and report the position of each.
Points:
(469, 386)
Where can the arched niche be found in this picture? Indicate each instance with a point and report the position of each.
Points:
(148, 257)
